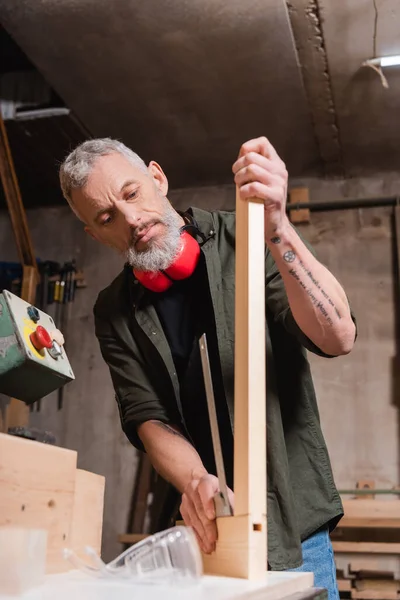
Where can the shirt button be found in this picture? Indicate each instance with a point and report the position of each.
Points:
(154, 332)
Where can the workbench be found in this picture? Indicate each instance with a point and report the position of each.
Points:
(79, 586)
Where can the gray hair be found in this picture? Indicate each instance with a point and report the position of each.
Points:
(76, 168)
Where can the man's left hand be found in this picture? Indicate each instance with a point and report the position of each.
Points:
(260, 173)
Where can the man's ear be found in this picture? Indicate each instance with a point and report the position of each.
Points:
(158, 176)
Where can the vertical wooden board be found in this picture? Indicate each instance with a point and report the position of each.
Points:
(37, 485)
(87, 517)
(250, 387)
(29, 283)
(13, 198)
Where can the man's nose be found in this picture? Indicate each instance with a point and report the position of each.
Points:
(130, 215)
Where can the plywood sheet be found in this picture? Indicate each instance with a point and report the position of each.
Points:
(37, 484)
(87, 519)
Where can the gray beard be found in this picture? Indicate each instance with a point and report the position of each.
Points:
(160, 253)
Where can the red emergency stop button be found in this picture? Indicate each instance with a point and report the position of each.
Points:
(40, 338)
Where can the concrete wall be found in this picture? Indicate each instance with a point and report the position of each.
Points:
(357, 394)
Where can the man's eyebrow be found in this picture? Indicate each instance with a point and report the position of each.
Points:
(128, 183)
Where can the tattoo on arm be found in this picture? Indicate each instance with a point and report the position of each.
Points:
(317, 284)
(170, 429)
(276, 240)
(317, 303)
(289, 257)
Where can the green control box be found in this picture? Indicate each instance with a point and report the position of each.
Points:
(32, 363)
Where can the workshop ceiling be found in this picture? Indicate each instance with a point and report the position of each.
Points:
(185, 82)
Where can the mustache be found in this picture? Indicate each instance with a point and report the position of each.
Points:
(136, 231)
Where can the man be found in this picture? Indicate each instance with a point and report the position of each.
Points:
(149, 339)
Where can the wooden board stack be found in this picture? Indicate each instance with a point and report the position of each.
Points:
(41, 488)
(362, 584)
(367, 549)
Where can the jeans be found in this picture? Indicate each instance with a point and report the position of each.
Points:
(318, 557)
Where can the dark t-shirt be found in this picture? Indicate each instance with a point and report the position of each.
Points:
(185, 312)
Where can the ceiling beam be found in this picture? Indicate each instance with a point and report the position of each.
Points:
(305, 21)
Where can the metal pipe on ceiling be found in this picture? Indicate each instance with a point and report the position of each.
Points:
(344, 204)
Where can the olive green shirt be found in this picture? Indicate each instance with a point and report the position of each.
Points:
(302, 496)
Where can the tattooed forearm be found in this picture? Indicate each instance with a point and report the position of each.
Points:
(170, 429)
(317, 284)
(317, 303)
(289, 257)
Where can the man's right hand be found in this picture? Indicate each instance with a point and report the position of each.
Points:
(198, 510)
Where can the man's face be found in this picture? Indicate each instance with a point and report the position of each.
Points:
(127, 209)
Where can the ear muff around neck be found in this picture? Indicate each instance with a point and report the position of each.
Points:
(183, 266)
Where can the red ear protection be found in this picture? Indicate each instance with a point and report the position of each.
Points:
(183, 266)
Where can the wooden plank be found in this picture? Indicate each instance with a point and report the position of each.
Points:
(37, 484)
(242, 539)
(367, 547)
(380, 523)
(29, 283)
(241, 549)
(299, 196)
(87, 517)
(250, 446)
(368, 573)
(374, 595)
(250, 372)
(371, 509)
(377, 584)
(14, 201)
(344, 585)
(388, 566)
